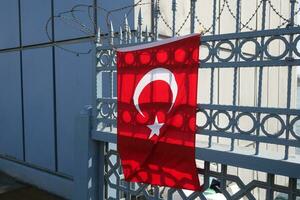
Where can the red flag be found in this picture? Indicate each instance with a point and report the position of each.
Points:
(157, 96)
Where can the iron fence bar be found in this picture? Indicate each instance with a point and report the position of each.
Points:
(206, 170)
(140, 23)
(241, 64)
(235, 75)
(152, 16)
(237, 135)
(221, 155)
(212, 72)
(293, 188)
(233, 36)
(248, 137)
(248, 109)
(173, 18)
(260, 78)
(246, 64)
(156, 14)
(289, 84)
(270, 181)
(251, 34)
(193, 14)
(223, 185)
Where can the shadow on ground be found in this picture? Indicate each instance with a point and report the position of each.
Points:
(11, 189)
(28, 193)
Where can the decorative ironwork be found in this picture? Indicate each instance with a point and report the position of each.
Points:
(216, 121)
(118, 188)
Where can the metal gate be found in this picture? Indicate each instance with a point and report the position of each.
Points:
(98, 171)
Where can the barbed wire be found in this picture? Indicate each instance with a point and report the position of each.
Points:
(240, 22)
(75, 22)
(211, 26)
(285, 20)
(120, 9)
(252, 16)
(89, 11)
(276, 11)
(60, 15)
(165, 21)
(206, 30)
(184, 22)
(131, 7)
(167, 24)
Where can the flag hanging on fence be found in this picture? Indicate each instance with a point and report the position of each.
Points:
(157, 97)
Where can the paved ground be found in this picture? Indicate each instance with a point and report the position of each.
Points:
(10, 189)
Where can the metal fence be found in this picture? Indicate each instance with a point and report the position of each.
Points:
(101, 175)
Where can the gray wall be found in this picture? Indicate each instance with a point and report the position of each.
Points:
(42, 87)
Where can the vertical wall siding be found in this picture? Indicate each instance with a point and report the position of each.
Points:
(66, 29)
(73, 91)
(42, 83)
(38, 107)
(10, 106)
(34, 16)
(9, 21)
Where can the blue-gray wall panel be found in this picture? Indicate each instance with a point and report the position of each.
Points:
(74, 91)
(10, 105)
(110, 88)
(65, 28)
(38, 107)
(9, 20)
(34, 16)
(106, 88)
(116, 17)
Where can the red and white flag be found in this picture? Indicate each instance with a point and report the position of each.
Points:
(157, 97)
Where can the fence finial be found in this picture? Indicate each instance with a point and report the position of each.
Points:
(140, 25)
(146, 34)
(140, 17)
(126, 28)
(111, 31)
(98, 39)
(125, 22)
(156, 15)
(121, 35)
(129, 35)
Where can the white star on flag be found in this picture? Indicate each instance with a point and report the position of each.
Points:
(155, 128)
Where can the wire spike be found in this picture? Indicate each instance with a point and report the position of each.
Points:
(126, 22)
(146, 33)
(126, 28)
(129, 34)
(140, 17)
(121, 35)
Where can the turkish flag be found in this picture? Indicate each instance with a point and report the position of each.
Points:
(157, 101)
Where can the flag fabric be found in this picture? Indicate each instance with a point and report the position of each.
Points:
(157, 102)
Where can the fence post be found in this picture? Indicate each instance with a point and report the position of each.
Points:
(86, 165)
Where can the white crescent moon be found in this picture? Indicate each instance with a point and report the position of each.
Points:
(157, 74)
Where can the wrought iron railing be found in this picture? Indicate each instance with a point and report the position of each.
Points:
(226, 143)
